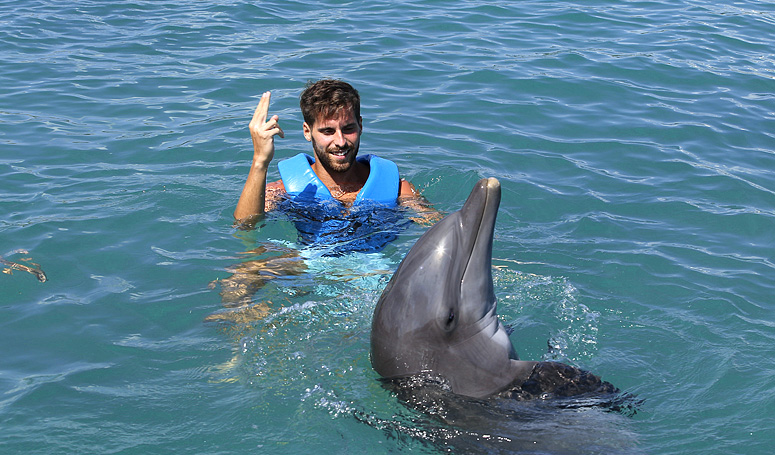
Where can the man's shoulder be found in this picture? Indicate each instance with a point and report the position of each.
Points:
(275, 186)
(406, 189)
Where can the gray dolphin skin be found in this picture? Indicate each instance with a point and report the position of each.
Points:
(437, 315)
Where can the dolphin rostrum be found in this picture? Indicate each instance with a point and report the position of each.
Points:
(437, 315)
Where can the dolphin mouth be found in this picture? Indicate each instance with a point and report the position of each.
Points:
(483, 224)
(492, 194)
(479, 214)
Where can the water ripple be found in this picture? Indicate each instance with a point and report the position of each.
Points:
(633, 141)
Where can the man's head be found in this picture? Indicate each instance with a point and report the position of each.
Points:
(327, 98)
(332, 122)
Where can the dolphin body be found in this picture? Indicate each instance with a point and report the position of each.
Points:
(437, 316)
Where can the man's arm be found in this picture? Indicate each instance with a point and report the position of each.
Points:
(251, 203)
(408, 196)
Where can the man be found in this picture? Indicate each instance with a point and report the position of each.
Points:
(333, 124)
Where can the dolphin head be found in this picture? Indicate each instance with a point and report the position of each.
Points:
(438, 316)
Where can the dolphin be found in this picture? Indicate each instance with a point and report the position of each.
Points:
(437, 315)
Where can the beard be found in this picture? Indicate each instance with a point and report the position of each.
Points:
(332, 163)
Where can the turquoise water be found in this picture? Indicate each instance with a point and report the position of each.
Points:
(633, 140)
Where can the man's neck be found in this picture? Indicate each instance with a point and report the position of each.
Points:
(342, 184)
(356, 175)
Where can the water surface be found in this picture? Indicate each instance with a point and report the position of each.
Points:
(633, 141)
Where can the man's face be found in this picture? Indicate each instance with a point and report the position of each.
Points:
(335, 140)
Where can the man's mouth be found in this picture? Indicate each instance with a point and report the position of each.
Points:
(341, 152)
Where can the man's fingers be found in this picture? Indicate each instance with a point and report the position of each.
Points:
(262, 110)
(260, 127)
(275, 130)
(273, 126)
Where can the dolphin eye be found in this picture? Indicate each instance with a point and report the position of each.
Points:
(451, 316)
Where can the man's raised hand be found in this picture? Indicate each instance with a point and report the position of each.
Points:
(263, 131)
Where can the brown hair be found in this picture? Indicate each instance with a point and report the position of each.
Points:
(327, 98)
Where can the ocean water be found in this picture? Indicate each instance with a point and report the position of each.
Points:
(634, 142)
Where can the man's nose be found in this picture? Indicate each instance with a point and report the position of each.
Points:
(339, 139)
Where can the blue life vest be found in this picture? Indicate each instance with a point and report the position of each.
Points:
(323, 222)
(301, 182)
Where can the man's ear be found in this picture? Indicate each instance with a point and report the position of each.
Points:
(307, 132)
